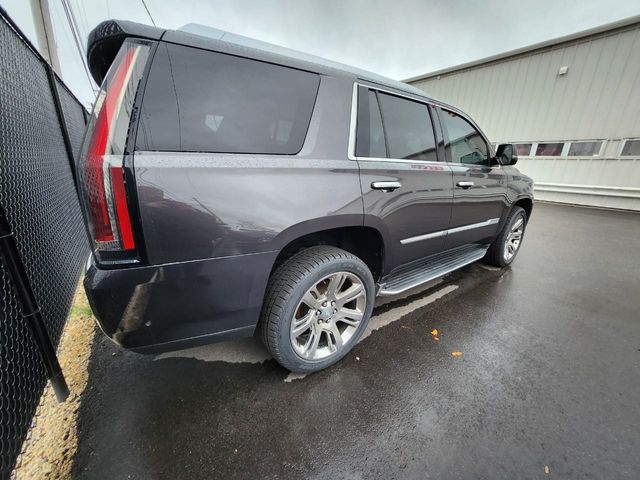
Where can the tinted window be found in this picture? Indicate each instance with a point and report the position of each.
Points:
(465, 142)
(584, 149)
(211, 102)
(408, 128)
(549, 149)
(370, 135)
(631, 148)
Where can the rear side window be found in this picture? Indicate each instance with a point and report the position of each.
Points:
(465, 144)
(201, 101)
(408, 128)
(370, 134)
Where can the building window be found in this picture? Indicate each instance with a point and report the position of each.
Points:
(584, 149)
(631, 148)
(549, 149)
(523, 149)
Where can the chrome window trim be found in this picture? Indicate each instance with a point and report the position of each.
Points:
(442, 233)
(398, 160)
(351, 153)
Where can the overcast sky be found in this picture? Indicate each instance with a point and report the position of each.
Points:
(396, 38)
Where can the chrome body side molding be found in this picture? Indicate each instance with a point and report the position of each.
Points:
(442, 233)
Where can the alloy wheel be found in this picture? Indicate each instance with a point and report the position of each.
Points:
(512, 242)
(328, 316)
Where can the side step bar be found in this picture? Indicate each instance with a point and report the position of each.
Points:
(421, 271)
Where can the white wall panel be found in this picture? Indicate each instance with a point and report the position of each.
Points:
(523, 99)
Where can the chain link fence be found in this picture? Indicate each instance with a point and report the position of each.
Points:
(38, 196)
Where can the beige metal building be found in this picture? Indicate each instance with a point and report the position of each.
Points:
(571, 104)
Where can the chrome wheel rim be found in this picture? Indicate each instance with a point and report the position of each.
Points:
(514, 238)
(328, 316)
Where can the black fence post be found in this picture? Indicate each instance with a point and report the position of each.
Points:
(63, 124)
(30, 311)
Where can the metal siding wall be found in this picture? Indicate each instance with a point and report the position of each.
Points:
(524, 99)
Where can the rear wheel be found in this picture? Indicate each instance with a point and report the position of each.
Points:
(504, 248)
(317, 306)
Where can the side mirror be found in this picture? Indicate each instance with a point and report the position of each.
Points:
(506, 154)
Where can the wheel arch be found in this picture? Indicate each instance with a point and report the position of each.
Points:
(363, 241)
(525, 203)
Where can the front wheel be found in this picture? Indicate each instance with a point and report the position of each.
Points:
(504, 248)
(317, 306)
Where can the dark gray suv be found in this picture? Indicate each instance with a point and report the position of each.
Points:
(233, 187)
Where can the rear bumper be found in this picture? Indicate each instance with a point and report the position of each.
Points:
(166, 307)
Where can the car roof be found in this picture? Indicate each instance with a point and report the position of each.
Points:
(105, 40)
(296, 58)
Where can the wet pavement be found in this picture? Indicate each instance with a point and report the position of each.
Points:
(549, 378)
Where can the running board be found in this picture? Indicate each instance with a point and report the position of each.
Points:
(421, 271)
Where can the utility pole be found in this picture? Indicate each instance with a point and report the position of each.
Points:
(44, 33)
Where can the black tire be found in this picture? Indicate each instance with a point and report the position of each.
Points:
(285, 290)
(496, 254)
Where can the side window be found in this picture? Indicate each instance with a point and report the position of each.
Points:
(465, 143)
(202, 101)
(369, 135)
(408, 128)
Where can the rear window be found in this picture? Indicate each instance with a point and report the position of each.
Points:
(201, 101)
(408, 128)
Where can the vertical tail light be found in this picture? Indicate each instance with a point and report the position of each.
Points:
(101, 163)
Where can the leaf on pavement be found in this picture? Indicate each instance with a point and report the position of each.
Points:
(456, 354)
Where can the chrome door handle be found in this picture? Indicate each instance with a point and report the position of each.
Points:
(385, 186)
(465, 185)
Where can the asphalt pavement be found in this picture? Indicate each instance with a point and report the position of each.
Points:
(546, 385)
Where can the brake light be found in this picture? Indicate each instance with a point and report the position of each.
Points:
(101, 169)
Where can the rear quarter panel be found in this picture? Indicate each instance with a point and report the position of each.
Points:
(205, 205)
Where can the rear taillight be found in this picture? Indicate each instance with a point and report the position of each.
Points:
(101, 163)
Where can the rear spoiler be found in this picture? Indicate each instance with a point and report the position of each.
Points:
(106, 39)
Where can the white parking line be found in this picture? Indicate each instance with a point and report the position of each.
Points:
(378, 321)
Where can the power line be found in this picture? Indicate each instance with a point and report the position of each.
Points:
(75, 33)
(73, 23)
(78, 7)
(144, 4)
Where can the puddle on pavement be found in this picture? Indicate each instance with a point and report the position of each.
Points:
(250, 350)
